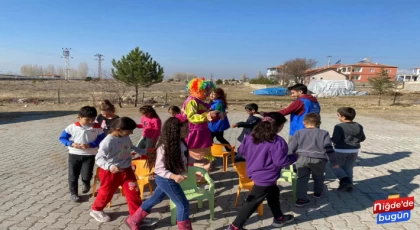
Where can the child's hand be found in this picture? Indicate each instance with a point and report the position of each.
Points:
(85, 146)
(234, 125)
(336, 166)
(178, 178)
(114, 169)
(77, 146)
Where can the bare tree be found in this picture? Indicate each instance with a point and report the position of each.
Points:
(50, 69)
(295, 68)
(83, 70)
(243, 77)
(116, 90)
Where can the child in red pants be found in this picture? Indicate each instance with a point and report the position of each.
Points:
(114, 160)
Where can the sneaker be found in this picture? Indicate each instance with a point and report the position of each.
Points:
(344, 184)
(301, 203)
(350, 188)
(317, 195)
(85, 187)
(100, 216)
(280, 222)
(148, 222)
(231, 227)
(74, 198)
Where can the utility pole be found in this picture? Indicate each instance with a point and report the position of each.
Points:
(66, 56)
(99, 59)
(329, 60)
(211, 77)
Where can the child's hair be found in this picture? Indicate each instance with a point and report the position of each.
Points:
(148, 109)
(123, 123)
(174, 109)
(251, 107)
(221, 95)
(170, 140)
(88, 111)
(312, 119)
(267, 129)
(348, 112)
(106, 105)
(299, 87)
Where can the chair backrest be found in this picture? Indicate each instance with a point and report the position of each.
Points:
(141, 170)
(217, 148)
(191, 181)
(240, 168)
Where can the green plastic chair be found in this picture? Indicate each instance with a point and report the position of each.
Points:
(288, 175)
(192, 192)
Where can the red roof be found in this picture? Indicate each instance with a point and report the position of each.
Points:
(370, 64)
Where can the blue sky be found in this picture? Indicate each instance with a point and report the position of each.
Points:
(222, 37)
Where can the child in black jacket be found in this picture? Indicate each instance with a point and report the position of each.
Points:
(253, 119)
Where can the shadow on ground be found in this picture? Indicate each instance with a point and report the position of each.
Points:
(16, 117)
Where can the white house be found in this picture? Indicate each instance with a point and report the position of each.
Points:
(323, 74)
(406, 75)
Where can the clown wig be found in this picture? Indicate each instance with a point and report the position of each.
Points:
(200, 87)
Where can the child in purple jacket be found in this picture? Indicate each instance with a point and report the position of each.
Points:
(266, 154)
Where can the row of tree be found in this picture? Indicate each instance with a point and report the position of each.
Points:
(36, 70)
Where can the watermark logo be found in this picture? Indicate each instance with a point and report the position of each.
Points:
(395, 209)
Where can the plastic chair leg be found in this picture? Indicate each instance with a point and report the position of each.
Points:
(294, 183)
(238, 193)
(173, 213)
(150, 189)
(95, 180)
(225, 163)
(141, 187)
(211, 207)
(260, 210)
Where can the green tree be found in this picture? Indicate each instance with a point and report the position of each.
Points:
(137, 69)
(381, 84)
(219, 82)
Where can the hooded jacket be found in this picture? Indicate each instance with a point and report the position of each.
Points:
(298, 109)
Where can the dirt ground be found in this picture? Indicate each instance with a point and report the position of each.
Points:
(43, 96)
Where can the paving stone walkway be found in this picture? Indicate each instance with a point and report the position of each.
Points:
(34, 190)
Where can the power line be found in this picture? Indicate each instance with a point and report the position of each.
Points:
(99, 59)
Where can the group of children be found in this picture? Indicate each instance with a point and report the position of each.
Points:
(104, 139)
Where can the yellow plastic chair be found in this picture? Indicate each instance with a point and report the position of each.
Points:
(142, 175)
(192, 192)
(217, 151)
(95, 181)
(245, 183)
(288, 175)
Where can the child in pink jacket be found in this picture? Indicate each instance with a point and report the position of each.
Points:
(151, 125)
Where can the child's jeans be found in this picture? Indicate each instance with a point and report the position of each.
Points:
(80, 165)
(110, 183)
(305, 167)
(168, 187)
(346, 162)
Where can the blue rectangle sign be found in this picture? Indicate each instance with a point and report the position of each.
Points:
(392, 217)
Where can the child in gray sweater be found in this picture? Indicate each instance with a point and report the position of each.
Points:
(314, 147)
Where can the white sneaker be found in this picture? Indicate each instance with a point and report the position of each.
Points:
(100, 216)
(148, 222)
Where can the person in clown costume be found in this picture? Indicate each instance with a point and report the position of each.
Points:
(198, 113)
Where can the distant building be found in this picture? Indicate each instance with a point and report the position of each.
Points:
(362, 71)
(48, 75)
(406, 75)
(323, 74)
(274, 72)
